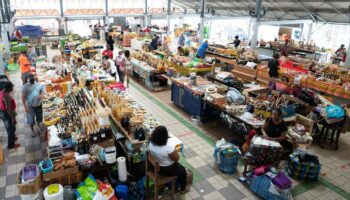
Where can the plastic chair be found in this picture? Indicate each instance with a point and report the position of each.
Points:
(157, 179)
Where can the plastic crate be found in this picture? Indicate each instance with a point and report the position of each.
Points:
(46, 166)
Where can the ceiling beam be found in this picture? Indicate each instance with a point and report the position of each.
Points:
(285, 9)
(337, 10)
(286, 1)
(310, 12)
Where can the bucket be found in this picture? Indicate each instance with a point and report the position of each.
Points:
(110, 154)
(54, 192)
(121, 192)
(35, 196)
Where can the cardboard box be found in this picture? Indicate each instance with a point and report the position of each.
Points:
(66, 180)
(217, 98)
(60, 173)
(28, 188)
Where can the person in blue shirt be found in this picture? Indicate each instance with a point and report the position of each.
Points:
(202, 49)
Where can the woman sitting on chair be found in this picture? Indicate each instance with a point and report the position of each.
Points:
(165, 153)
(275, 129)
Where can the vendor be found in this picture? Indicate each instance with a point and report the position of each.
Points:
(18, 34)
(275, 129)
(273, 66)
(236, 42)
(109, 66)
(182, 51)
(165, 153)
(108, 52)
(202, 49)
(341, 52)
(284, 49)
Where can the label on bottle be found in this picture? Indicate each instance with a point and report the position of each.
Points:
(94, 138)
(103, 135)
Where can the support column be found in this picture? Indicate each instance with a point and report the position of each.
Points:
(5, 40)
(2, 69)
(107, 15)
(201, 28)
(256, 24)
(309, 33)
(181, 22)
(249, 29)
(169, 16)
(145, 24)
(61, 8)
(347, 61)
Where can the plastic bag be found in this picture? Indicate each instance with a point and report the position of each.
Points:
(335, 111)
(234, 96)
(87, 189)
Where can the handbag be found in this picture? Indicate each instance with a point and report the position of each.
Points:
(282, 181)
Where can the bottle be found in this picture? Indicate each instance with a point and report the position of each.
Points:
(94, 137)
(103, 131)
(129, 148)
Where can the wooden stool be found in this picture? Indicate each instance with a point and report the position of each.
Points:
(157, 179)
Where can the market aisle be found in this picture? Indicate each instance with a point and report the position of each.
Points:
(31, 150)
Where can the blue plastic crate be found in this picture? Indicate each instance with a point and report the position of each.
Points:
(46, 166)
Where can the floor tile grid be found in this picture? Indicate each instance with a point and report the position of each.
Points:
(29, 152)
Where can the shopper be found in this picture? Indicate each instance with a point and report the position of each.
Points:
(108, 52)
(273, 66)
(181, 41)
(8, 114)
(165, 153)
(154, 43)
(24, 63)
(284, 49)
(31, 98)
(236, 42)
(275, 129)
(109, 66)
(127, 66)
(202, 50)
(32, 55)
(120, 63)
(110, 42)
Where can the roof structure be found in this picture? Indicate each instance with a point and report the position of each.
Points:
(336, 11)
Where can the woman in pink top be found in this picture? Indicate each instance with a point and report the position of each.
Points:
(8, 114)
(120, 63)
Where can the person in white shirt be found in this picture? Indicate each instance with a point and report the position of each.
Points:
(165, 153)
(109, 66)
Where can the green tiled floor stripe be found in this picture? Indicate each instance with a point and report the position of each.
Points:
(304, 187)
(196, 175)
(297, 190)
(335, 188)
